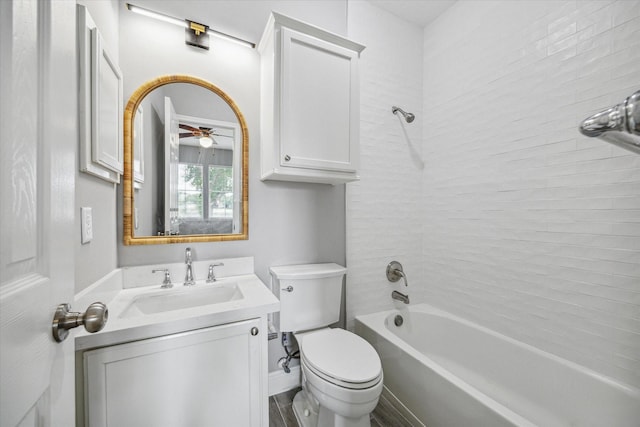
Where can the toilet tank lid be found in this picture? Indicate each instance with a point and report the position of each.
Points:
(308, 271)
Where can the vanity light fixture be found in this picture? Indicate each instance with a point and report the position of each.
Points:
(196, 35)
(195, 32)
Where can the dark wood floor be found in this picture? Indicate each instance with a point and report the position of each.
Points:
(281, 412)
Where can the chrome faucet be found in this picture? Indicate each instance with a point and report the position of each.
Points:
(212, 276)
(400, 297)
(166, 283)
(188, 278)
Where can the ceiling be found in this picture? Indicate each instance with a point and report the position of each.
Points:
(420, 12)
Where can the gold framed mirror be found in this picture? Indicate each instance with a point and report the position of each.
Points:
(186, 162)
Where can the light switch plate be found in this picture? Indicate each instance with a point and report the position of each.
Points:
(86, 225)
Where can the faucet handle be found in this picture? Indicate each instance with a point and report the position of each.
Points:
(211, 277)
(395, 272)
(166, 283)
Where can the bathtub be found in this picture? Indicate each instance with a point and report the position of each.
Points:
(450, 372)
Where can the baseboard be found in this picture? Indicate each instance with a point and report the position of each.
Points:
(399, 406)
(280, 381)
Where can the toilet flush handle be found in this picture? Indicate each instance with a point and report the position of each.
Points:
(288, 289)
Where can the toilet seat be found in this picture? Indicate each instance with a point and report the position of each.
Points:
(341, 358)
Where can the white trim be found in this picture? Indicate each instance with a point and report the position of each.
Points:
(280, 381)
(399, 406)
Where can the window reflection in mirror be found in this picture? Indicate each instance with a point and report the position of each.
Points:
(189, 155)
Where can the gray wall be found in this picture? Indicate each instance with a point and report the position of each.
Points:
(99, 257)
(288, 222)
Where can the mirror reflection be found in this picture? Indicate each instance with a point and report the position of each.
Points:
(187, 165)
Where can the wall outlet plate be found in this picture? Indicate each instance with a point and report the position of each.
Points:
(86, 224)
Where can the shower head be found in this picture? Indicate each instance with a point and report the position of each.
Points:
(409, 117)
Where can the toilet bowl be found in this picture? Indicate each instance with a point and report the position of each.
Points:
(341, 372)
(342, 379)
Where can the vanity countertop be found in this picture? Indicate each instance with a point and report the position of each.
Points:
(256, 301)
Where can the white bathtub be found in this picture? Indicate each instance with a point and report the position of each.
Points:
(450, 372)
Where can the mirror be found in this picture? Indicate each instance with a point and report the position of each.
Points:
(186, 164)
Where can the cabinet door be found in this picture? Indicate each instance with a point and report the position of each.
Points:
(207, 377)
(106, 107)
(319, 89)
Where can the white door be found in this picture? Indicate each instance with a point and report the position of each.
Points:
(171, 159)
(38, 138)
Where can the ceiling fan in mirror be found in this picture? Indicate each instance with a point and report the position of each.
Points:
(204, 134)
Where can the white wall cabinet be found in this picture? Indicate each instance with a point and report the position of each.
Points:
(309, 103)
(207, 377)
(100, 103)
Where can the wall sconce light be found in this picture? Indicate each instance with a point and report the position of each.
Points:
(196, 34)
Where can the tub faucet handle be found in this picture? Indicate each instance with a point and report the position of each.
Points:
(395, 272)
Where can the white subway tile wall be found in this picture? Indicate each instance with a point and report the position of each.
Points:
(384, 209)
(528, 227)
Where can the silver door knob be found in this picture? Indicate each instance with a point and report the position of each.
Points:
(94, 319)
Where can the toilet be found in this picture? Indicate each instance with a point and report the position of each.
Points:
(341, 372)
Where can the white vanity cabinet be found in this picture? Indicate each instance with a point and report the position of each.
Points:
(309, 103)
(214, 376)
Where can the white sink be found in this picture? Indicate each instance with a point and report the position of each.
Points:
(182, 298)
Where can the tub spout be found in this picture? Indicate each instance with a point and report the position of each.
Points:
(400, 297)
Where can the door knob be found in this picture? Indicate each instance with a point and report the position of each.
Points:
(93, 319)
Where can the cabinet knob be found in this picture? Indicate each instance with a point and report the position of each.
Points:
(287, 157)
(254, 331)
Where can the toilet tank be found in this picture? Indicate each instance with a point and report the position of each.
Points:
(310, 295)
